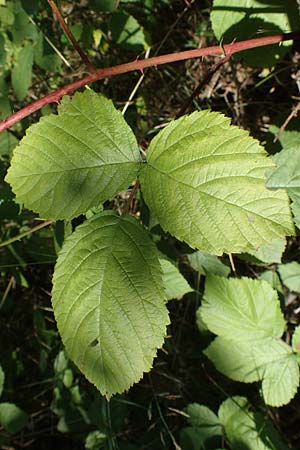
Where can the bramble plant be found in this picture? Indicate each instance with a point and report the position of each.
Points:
(205, 182)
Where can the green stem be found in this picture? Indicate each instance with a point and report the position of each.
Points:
(26, 233)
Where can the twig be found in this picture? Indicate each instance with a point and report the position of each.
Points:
(6, 292)
(70, 35)
(286, 122)
(26, 233)
(229, 49)
(202, 84)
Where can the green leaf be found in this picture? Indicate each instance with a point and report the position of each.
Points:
(103, 5)
(109, 301)
(204, 420)
(95, 440)
(205, 182)
(287, 176)
(246, 316)
(70, 162)
(235, 20)
(270, 253)
(205, 263)
(127, 32)
(2, 377)
(7, 142)
(22, 71)
(272, 278)
(290, 275)
(12, 418)
(175, 284)
(269, 360)
(247, 430)
(296, 340)
(241, 308)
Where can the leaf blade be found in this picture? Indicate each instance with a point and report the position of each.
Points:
(119, 311)
(70, 162)
(205, 182)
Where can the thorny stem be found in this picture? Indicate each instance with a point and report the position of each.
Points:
(202, 83)
(225, 50)
(70, 35)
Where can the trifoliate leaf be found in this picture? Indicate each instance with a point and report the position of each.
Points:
(109, 301)
(270, 253)
(245, 314)
(70, 162)
(205, 263)
(175, 284)
(296, 340)
(2, 377)
(268, 359)
(235, 20)
(12, 418)
(287, 176)
(290, 275)
(241, 308)
(247, 430)
(205, 182)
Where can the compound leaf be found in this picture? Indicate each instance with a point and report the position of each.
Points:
(70, 162)
(245, 314)
(109, 301)
(204, 419)
(205, 183)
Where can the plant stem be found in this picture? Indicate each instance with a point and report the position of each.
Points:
(71, 36)
(225, 50)
(26, 233)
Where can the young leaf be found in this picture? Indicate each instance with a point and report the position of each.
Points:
(290, 275)
(2, 377)
(205, 263)
(70, 162)
(205, 183)
(109, 301)
(246, 316)
(12, 418)
(175, 284)
(247, 430)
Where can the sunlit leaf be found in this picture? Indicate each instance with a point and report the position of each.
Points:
(205, 183)
(109, 301)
